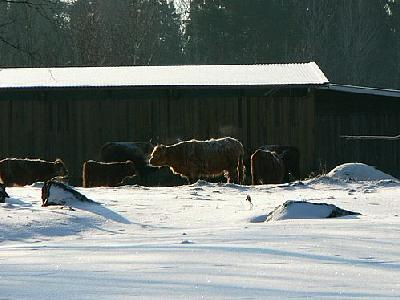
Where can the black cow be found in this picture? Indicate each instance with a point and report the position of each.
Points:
(137, 152)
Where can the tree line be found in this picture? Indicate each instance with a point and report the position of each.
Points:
(354, 42)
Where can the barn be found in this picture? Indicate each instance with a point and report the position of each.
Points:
(346, 120)
(69, 113)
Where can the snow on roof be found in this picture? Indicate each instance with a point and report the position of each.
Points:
(185, 75)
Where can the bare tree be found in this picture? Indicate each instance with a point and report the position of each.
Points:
(126, 32)
(28, 28)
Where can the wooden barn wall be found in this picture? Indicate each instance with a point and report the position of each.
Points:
(339, 113)
(72, 124)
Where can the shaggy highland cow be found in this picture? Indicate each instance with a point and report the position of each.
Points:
(194, 159)
(20, 172)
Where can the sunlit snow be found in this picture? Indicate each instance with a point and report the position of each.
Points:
(203, 241)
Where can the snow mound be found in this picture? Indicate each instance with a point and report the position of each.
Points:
(258, 219)
(201, 183)
(305, 210)
(358, 172)
(57, 193)
(37, 184)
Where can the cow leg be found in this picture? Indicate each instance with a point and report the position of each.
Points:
(192, 179)
(240, 170)
(232, 176)
(255, 180)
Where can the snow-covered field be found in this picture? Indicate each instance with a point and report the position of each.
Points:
(205, 241)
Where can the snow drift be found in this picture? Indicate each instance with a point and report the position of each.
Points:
(305, 210)
(195, 241)
(358, 172)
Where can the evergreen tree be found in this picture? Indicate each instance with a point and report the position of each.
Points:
(235, 31)
(393, 12)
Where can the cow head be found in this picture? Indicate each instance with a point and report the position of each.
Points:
(59, 168)
(159, 156)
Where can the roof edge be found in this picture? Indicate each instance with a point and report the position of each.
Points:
(361, 90)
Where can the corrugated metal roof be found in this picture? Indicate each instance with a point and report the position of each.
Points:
(362, 90)
(143, 76)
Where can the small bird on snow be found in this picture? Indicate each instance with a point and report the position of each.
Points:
(248, 199)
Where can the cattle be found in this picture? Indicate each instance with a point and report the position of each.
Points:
(291, 159)
(23, 171)
(266, 167)
(194, 159)
(155, 176)
(137, 152)
(95, 173)
(3, 193)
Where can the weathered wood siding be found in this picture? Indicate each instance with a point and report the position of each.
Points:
(339, 113)
(72, 124)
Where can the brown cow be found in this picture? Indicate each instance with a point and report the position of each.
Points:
(194, 159)
(155, 176)
(291, 159)
(266, 167)
(20, 172)
(106, 174)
